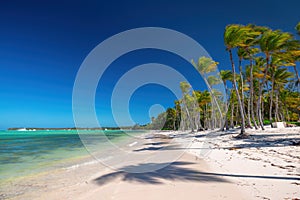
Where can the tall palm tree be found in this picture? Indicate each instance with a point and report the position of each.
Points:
(234, 36)
(246, 50)
(251, 52)
(242, 53)
(258, 75)
(270, 42)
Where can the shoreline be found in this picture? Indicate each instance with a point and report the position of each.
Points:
(234, 171)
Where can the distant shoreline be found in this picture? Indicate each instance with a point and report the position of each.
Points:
(72, 128)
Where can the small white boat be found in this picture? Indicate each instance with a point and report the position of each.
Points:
(22, 129)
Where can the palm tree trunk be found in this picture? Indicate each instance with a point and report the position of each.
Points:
(242, 92)
(212, 94)
(226, 108)
(296, 71)
(232, 113)
(297, 75)
(263, 108)
(251, 94)
(238, 96)
(248, 111)
(189, 117)
(282, 119)
(271, 99)
(276, 106)
(259, 104)
(200, 127)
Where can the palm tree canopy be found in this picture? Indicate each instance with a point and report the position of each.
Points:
(205, 65)
(274, 41)
(226, 75)
(242, 53)
(286, 58)
(247, 53)
(185, 87)
(236, 35)
(293, 45)
(213, 80)
(282, 75)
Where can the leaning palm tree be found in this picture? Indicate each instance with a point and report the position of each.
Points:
(234, 36)
(270, 42)
(207, 66)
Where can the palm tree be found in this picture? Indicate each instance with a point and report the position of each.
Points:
(187, 119)
(197, 109)
(234, 36)
(270, 42)
(204, 101)
(251, 52)
(246, 51)
(205, 66)
(281, 77)
(242, 54)
(275, 63)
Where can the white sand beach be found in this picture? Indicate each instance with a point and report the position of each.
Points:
(215, 166)
(265, 166)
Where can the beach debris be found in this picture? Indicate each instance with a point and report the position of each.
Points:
(234, 148)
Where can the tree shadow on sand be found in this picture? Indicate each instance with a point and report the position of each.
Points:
(268, 140)
(176, 171)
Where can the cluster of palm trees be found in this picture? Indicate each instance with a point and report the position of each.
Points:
(196, 110)
(267, 55)
(264, 79)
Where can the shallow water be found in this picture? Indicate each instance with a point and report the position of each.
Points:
(25, 153)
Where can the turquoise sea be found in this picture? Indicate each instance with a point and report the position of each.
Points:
(25, 153)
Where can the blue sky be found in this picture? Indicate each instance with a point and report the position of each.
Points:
(43, 43)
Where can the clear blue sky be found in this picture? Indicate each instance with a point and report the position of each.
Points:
(43, 43)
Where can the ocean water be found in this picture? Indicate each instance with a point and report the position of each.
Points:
(24, 153)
